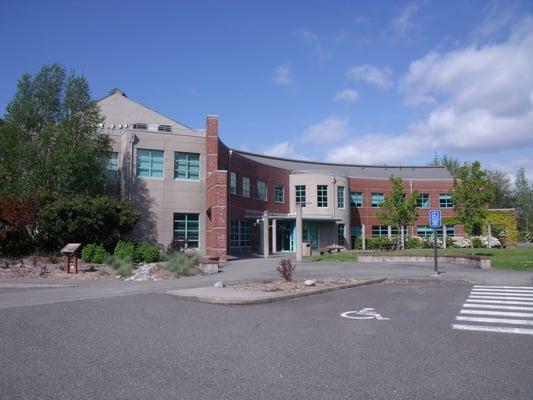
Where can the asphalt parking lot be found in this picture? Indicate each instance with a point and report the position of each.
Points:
(156, 346)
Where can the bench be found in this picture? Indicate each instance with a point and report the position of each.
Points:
(331, 249)
(209, 264)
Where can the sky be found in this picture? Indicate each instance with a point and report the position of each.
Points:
(368, 82)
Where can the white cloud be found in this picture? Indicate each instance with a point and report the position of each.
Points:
(498, 16)
(379, 77)
(404, 20)
(312, 41)
(328, 130)
(482, 99)
(282, 149)
(283, 75)
(348, 95)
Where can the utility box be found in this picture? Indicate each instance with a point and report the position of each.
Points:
(306, 249)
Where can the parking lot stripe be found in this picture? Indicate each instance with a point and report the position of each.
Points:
(504, 294)
(501, 313)
(497, 307)
(473, 296)
(495, 320)
(522, 331)
(504, 290)
(504, 287)
(525, 303)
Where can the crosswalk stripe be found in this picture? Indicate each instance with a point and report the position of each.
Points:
(501, 313)
(504, 287)
(473, 296)
(504, 294)
(495, 320)
(504, 290)
(523, 331)
(498, 307)
(525, 303)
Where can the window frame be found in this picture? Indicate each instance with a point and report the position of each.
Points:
(233, 182)
(187, 230)
(262, 188)
(188, 162)
(341, 201)
(138, 164)
(341, 239)
(276, 193)
(298, 189)
(380, 228)
(246, 186)
(419, 203)
(376, 204)
(447, 201)
(353, 204)
(322, 196)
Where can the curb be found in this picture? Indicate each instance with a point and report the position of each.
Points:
(274, 297)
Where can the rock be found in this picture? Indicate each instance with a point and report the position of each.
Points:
(310, 282)
(219, 284)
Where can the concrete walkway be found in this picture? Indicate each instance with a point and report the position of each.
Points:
(14, 295)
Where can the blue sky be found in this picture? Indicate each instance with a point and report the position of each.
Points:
(350, 81)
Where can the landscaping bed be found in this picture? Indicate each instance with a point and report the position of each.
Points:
(288, 287)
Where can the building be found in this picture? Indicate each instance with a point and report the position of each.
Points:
(191, 187)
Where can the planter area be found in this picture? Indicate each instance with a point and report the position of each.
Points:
(482, 262)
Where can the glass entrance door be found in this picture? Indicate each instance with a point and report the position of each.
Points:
(285, 236)
(310, 234)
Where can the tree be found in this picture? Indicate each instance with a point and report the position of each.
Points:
(524, 201)
(503, 193)
(471, 196)
(452, 164)
(399, 210)
(50, 138)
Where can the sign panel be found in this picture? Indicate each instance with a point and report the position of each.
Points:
(435, 219)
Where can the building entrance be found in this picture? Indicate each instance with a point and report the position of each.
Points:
(285, 236)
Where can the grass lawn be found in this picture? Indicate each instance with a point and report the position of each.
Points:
(500, 258)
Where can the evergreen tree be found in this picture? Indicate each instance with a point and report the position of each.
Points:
(524, 202)
(503, 193)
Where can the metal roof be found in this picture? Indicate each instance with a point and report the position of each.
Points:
(351, 170)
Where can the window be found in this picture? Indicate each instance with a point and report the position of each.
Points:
(279, 194)
(187, 229)
(340, 196)
(356, 199)
(112, 166)
(300, 195)
(380, 231)
(322, 195)
(377, 200)
(187, 166)
(164, 128)
(245, 186)
(394, 231)
(445, 200)
(424, 231)
(261, 190)
(233, 183)
(340, 234)
(423, 200)
(240, 234)
(140, 126)
(150, 163)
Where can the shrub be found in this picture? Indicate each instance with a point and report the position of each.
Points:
(357, 243)
(181, 264)
(378, 242)
(450, 244)
(286, 269)
(147, 252)
(93, 253)
(17, 225)
(85, 220)
(123, 267)
(125, 250)
(477, 242)
(412, 243)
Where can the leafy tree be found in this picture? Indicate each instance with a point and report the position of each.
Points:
(471, 196)
(399, 209)
(452, 164)
(503, 193)
(50, 137)
(524, 201)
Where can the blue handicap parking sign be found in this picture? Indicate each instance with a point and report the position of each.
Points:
(434, 219)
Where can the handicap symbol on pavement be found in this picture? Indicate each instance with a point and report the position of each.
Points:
(364, 313)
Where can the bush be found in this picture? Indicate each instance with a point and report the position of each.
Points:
(123, 267)
(477, 242)
(357, 243)
(378, 242)
(450, 244)
(147, 252)
(93, 253)
(181, 264)
(286, 269)
(125, 250)
(412, 243)
(85, 219)
(17, 225)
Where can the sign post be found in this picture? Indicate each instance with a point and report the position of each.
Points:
(435, 222)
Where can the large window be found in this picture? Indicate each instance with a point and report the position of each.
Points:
(112, 166)
(233, 183)
(380, 231)
(187, 229)
(279, 194)
(150, 163)
(300, 195)
(356, 199)
(394, 230)
(187, 166)
(322, 196)
(377, 200)
(240, 233)
(445, 200)
(340, 196)
(340, 234)
(423, 200)
(261, 190)
(245, 186)
(426, 231)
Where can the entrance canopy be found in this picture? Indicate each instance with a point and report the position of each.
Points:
(292, 217)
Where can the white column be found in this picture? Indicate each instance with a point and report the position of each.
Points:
(489, 236)
(299, 232)
(389, 232)
(443, 236)
(274, 244)
(265, 234)
(363, 236)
